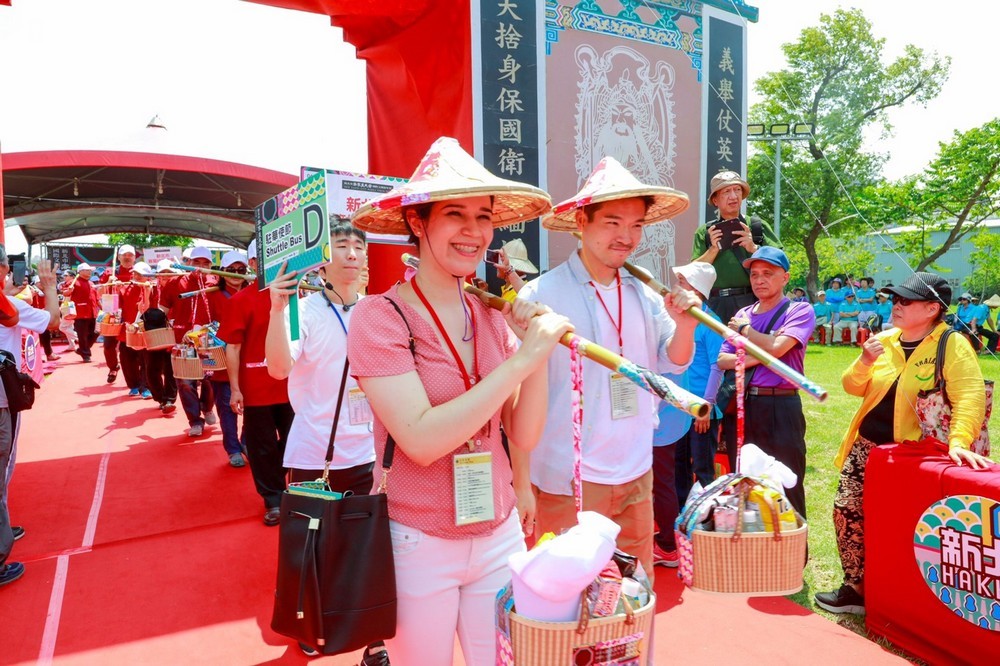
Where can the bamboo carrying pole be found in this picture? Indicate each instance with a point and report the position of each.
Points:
(646, 379)
(766, 359)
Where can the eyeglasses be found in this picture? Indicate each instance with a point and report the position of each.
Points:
(240, 270)
(899, 300)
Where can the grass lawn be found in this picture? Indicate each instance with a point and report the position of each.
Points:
(826, 424)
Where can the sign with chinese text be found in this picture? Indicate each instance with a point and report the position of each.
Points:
(153, 255)
(293, 228)
(957, 547)
(725, 74)
(347, 192)
(507, 70)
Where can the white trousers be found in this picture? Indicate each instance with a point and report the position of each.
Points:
(447, 585)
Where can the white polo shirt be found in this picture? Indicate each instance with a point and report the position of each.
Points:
(313, 387)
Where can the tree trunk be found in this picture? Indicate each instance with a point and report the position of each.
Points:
(809, 243)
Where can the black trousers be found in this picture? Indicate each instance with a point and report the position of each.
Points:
(111, 352)
(86, 332)
(727, 306)
(266, 429)
(45, 337)
(777, 425)
(133, 365)
(160, 376)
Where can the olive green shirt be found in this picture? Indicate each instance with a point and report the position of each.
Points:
(729, 263)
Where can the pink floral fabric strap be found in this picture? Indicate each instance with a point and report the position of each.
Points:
(741, 359)
(576, 373)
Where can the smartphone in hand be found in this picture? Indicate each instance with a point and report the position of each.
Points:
(729, 229)
(493, 257)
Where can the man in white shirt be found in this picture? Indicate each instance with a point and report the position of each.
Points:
(615, 310)
(36, 320)
(314, 365)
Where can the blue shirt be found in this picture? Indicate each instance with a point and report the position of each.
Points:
(966, 313)
(865, 296)
(822, 309)
(849, 311)
(884, 310)
(835, 296)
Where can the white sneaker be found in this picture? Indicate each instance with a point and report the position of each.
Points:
(211, 418)
(195, 430)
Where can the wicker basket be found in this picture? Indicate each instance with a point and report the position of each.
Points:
(538, 643)
(134, 337)
(187, 368)
(212, 358)
(110, 330)
(756, 563)
(159, 338)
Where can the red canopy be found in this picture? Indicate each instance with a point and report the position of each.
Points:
(63, 194)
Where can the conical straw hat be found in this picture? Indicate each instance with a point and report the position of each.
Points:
(517, 255)
(448, 172)
(611, 181)
(993, 301)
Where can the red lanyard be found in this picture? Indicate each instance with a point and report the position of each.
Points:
(618, 324)
(451, 347)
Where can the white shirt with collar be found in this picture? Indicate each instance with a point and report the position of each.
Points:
(614, 451)
(313, 388)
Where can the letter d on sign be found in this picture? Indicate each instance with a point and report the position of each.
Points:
(312, 225)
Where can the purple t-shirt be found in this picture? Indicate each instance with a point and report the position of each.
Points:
(798, 322)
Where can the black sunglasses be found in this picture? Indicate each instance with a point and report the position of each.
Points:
(240, 271)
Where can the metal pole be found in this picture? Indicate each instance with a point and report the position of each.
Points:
(777, 188)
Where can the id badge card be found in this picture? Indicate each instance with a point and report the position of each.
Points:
(360, 410)
(473, 474)
(624, 397)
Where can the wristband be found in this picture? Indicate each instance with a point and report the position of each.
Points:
(740, 330)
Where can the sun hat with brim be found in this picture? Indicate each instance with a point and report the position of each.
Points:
(446, 173)
(611, 181)
(724, 179)
(699, 274)
(993, 301)
(966, 296)
(165, 266)
(233, 257)
(922, 287)
(517, 256)
(144, 269)
(771, 255)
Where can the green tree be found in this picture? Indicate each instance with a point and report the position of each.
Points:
(836, 80)
(985, 259)
(142, 241)
(956, 193)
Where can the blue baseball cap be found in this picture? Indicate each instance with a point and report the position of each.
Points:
(771, 255)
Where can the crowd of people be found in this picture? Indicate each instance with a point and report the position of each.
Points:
(442, 380)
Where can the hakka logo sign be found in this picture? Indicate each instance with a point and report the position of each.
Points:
(957, 547)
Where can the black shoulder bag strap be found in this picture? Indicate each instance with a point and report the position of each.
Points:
(942, 351)
(390, 444)
(748, 374)
(336, 420)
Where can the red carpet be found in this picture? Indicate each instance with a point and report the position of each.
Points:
(171, 563)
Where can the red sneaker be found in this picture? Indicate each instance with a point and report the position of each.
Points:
(663, 558)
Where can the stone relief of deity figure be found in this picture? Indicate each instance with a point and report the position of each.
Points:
(625, 109)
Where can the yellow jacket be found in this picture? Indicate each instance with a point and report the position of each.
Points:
(962, 374)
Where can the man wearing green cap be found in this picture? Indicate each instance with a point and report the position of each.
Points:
(728, 241)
